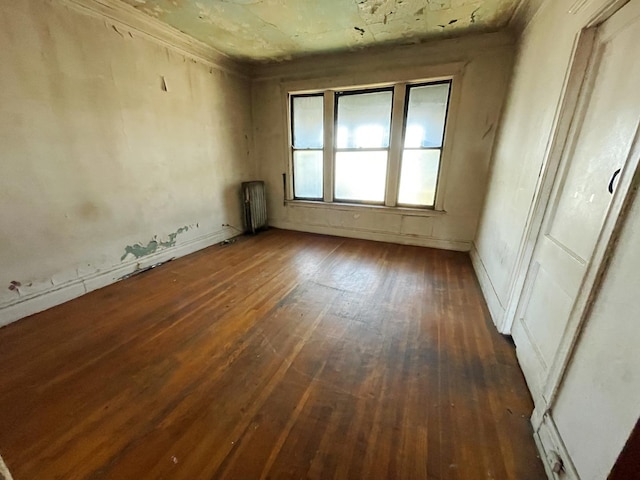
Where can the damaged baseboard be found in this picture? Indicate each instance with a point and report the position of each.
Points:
(553, 452)
(37, 302)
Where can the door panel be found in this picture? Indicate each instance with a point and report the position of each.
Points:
(580, 198)
(550, 297)
(606, 137)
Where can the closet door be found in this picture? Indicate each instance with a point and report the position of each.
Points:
(604, 132)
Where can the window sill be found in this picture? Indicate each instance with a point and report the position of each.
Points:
(358, 207)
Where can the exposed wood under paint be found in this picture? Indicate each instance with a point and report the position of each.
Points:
(285, 355)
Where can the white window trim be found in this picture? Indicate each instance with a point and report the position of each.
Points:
(400, 79)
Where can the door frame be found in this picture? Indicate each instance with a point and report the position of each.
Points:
(546, 433)
(623, 195)
(562, 135)
(572, 109)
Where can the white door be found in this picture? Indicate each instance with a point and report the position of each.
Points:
(609, 117)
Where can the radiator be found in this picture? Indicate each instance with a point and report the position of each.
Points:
(255, 206)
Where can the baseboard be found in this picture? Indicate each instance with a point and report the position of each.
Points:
(548, 441)
(37, 302)
(496, 310)
(378, 236)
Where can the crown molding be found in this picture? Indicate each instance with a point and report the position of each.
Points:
(577, 6)
(124, 15)
(525, 11)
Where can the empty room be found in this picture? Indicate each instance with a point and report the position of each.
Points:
(337, 239)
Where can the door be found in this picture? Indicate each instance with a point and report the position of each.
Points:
(600, 141)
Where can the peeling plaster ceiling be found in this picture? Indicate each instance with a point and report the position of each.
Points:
(268, 30)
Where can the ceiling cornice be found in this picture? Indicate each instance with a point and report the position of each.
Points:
(123, 15)
(523, 14)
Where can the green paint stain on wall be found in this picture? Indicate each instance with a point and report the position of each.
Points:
(138, 250)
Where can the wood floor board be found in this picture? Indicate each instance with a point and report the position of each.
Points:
(282, 356)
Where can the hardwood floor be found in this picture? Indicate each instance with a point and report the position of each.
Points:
(282, 356)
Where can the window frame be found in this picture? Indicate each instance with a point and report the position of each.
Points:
(449, 73)
(293, 149)
(405, 118)
(359, 91)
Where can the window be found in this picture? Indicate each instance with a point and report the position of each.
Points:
(363, 130)
(307, 141)
(423, 137)
(386, 144)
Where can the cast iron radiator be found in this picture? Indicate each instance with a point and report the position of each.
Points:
(255, 206)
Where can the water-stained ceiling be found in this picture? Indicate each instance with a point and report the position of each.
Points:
(266, 30)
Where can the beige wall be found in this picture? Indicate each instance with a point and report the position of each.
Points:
(597, 403)
(484, 64)
(97, 157)
(544, 53)
(542, 61)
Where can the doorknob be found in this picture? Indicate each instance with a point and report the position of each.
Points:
(613, 179)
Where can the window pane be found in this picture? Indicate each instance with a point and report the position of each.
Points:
(426, 114)
(419, 177)
(307, 173)
(364, 120)
(307, 122)
(361, 176)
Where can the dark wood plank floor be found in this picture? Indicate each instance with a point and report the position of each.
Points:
(283, 356)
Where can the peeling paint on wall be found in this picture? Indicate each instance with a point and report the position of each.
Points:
(18, 288)
(110, 154)
(138, 250)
